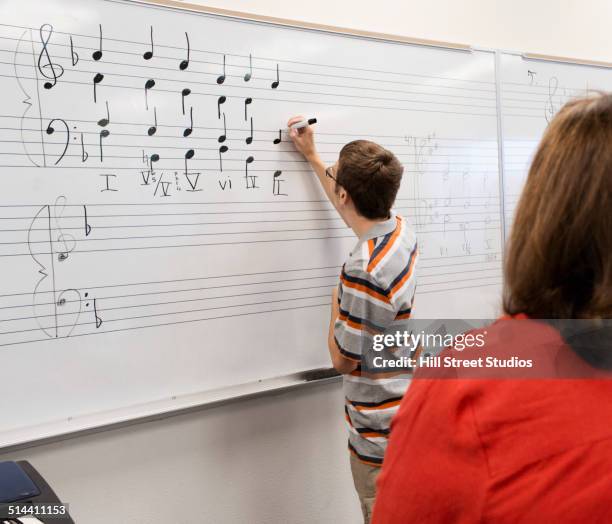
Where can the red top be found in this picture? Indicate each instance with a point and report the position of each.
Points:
(500, 451)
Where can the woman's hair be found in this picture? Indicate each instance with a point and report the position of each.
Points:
(559, 262)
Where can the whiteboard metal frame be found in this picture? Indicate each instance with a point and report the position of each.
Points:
(72, 427)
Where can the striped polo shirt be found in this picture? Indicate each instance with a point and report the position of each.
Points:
(375, 295)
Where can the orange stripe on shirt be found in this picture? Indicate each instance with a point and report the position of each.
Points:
(364, 289)
(406, 276)
(394, 236)
(371, 246)
(386, 405)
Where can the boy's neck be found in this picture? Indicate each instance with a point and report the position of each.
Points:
(361, 225)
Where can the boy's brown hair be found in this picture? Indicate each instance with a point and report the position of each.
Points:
(559, 264)
(371, 176)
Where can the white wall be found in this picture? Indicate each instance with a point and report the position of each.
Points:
(572, 28)
(283, 459)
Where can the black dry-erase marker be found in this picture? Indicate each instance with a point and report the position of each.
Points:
(303, 123)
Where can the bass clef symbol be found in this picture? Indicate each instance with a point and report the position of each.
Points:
(47, 68)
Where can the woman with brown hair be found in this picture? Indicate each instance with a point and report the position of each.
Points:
(536, 447)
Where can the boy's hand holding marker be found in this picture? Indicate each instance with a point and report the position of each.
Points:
(301, 133)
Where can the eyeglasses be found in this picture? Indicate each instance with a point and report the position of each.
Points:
(328, 172)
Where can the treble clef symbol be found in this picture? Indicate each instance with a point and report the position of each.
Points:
(553, 85)
(48, 69)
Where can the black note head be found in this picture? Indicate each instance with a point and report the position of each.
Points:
(222, 99)
(148, 55)
(277, 140)
(222, 138)
(183, 65)
(189, 154)
(247, 77)
(104, 133)
(223, 149)
(186, 92)
(249, 139)
(187, 132)
(98, 78)
(152, 130)
(277, 174)
(220, 79)
(154, 157)
(248, 101)
(103, 122)
(275, 84)
(149, 84)
(96, 55)
(249, 160)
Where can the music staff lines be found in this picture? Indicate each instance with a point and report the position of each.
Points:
(165, 313)
(292, 101)
(492, 165)
(234, 315)
(206, 288)
(181, 49)
(272, 274)
(477, 141)
(408, 154)
(250, 88)
(257, 232)
(190, 224)
(259, 211)
(252, 202)
(239, 77)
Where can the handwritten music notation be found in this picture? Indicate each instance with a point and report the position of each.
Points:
(186, 135)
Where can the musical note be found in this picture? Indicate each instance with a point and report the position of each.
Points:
(87, 224)
(185, 63)
(222, 149)
(104, 133)
(549, 110)
(73, 54)
(188, 156)
(103, 122)
(50, 130)
(97, 317)
(276, 83)
(154, 158)
(189, 130)
(531, 75)
(276, 183)
(185, 92)
(249, 138)
(153, 129)
(247, 102)
(223, 136)
(55, 70)
(249, 75)
(96, 55)
(248, 161)
(84, 154)
(220, 100)
(149, 84)
(97, 79)
(221, 78)
(149, 54)
(278, 140)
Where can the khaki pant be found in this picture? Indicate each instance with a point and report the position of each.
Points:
(364, 477)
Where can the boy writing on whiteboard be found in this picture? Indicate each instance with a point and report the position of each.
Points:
(374, 296)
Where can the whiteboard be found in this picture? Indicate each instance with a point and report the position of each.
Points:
(532, 91)
(160, 237)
